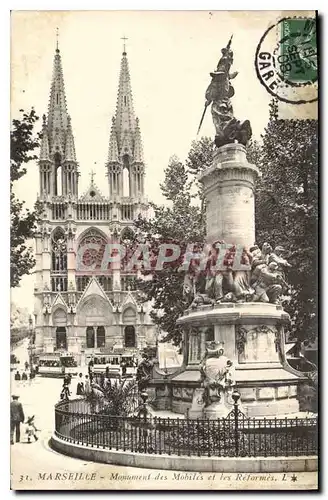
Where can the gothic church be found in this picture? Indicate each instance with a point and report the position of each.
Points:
(87, 311)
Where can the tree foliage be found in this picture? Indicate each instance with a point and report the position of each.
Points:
(180, 223)
(23, 142)
(287, 210)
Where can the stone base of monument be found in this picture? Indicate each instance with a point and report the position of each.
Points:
(219, 409)
(198, 404)
(252, 336)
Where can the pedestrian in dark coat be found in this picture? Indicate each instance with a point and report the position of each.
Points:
(65, 393)
(17, 375)
(16, 418)
(80, 386)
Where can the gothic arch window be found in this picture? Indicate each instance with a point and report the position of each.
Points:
(101, 336)
(58, 174)
(130, 336)
(90, 334)
(58, 260)
(92, 256)
(126, 176)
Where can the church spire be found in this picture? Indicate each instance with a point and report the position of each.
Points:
(57, 109)
(57, 146)
(124, 116)
(125, 145)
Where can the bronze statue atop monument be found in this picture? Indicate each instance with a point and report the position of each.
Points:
(228, 129)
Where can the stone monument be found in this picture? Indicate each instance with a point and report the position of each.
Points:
(239, 307)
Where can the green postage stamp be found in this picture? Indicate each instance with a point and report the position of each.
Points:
(298, 51)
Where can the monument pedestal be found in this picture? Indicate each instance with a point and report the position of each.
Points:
(252, 335)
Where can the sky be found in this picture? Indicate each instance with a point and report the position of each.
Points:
(170, 57)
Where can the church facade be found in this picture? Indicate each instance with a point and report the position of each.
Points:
(85, 309)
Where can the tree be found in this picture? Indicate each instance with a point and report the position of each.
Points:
(180, 223)
(287, 210)
(23, 142)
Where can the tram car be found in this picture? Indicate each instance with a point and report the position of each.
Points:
(115, 364)
(56, 365)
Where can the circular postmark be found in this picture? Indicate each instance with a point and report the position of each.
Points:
(286, 60)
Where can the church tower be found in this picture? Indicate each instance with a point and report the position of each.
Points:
(82, 306)
(58, 165)
(125, 166)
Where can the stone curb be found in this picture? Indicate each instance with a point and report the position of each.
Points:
(184, 463)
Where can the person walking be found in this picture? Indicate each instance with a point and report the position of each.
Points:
(65, 393)
(17, 375)
(16, 418)
(26, 365)
(31, 429)
(24, 376)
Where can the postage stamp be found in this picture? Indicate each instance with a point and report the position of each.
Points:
(286, 59)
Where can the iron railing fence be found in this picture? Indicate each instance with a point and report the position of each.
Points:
(233, 436)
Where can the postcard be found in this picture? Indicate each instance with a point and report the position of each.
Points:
(164, 226)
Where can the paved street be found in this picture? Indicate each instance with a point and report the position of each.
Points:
(37, 466)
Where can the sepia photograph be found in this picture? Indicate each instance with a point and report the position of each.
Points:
(164, 250)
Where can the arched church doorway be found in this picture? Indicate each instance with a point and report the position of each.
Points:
(60, 321)
(130, 336)
(90, 333)
(61, 338)
(100, 336)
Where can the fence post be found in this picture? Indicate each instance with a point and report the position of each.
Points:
(236, 396)
(143, 414)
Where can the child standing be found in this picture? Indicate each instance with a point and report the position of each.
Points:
(31, 430)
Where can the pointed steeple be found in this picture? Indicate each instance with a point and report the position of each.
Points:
(113, 155)
(57, 110)
(138, 149)
(124, 116)
(57, 146)
(44, 149)
(69, 146)
(125, 145)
